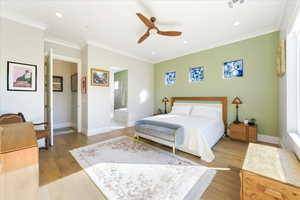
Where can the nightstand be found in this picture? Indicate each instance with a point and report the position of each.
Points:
(243, 132)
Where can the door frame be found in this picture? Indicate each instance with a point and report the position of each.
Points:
(79, 105)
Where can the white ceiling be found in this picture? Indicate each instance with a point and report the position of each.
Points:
(114, 25)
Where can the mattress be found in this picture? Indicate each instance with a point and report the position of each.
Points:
(200, 133)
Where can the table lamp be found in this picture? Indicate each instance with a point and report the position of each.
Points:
(165, 100)
(237, 101)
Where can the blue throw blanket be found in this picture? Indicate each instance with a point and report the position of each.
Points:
(162, 130)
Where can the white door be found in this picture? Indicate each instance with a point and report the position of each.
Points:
(50, 95)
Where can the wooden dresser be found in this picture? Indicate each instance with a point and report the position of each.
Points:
(19, 174)
(270, 173)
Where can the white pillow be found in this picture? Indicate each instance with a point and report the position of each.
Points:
(181, 109)
(207, 112)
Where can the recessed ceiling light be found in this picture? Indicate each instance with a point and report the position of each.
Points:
(58, 15)
(185, 42)
(153, 52)
(237, 23)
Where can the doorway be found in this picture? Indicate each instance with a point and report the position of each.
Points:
(121, 98)
(51, 58)
(64, 97)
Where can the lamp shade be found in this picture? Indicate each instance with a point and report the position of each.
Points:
(165, 100)
(236, 100)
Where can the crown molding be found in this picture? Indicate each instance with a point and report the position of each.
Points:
(62, 42)
(222, 43)
(23, 20)
(118, 51)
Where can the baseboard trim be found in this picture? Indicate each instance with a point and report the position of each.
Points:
(102, 130)
(91, 132)
(268, 139)
(131, 123)
(64, 125)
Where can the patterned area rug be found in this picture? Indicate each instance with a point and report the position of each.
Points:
(126, 169)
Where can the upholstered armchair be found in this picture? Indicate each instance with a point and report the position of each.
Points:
(19, 118)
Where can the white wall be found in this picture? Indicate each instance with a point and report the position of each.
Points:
(21, 43)
(65, 102)
(100, 99)
(62, 50)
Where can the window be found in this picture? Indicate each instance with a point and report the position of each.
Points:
(298, 82)
(116, 85)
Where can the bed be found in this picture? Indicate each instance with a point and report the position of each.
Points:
(199, 123)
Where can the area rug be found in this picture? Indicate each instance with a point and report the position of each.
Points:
(126, 169)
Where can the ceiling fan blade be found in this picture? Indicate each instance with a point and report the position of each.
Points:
(145, 20)
(169, 33)
(144, 37)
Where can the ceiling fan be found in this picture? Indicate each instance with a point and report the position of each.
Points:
(150, 24)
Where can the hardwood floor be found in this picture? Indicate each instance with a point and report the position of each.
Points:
(57, 162)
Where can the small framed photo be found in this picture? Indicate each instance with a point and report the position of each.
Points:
(233, 69)
(58, 84)
(21, 77)
(74, 81)
(99, 77)
(83, 85)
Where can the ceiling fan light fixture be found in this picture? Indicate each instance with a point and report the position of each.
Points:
(153, 31)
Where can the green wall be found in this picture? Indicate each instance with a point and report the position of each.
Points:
(258, 88)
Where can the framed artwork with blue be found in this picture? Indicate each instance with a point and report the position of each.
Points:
(170, 78)
(196, 74)
(233, 69)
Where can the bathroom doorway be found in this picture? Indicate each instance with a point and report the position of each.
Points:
(121, 98)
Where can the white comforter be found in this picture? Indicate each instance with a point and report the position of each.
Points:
(200, 134)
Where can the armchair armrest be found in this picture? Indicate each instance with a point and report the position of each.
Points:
(41, 124)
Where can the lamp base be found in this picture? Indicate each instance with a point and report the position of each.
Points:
(236, 122)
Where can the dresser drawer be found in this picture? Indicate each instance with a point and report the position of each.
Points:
(238, 132)
(255, 187)
(238, 127)
(238, 135)
(252, 133)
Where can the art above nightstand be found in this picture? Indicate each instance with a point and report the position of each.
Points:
(243, 132)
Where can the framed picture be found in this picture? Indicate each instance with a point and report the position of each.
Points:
(233, 69)
(21, 77)
(170, 78)
(58, 84)
(281, 58)
(74, 81)
(196, 74)
(83, 85)
(100, 77)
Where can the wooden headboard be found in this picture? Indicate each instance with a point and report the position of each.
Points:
(223, 100)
